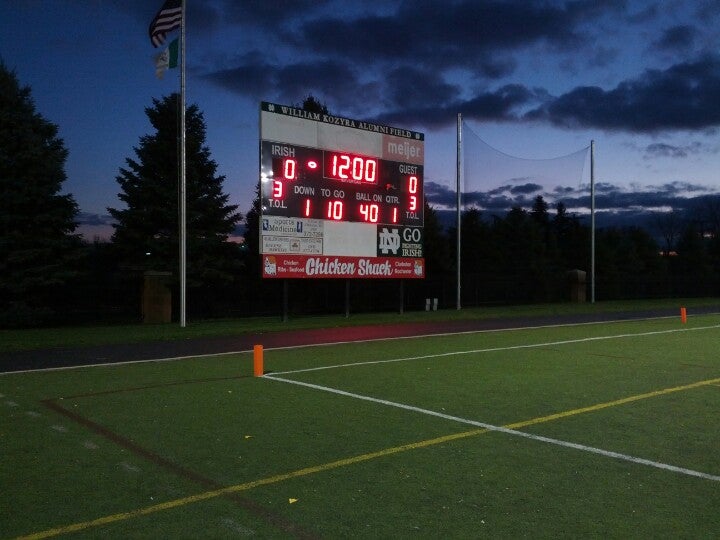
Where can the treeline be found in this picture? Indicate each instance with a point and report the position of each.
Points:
(525, 256)
(50, 276)
(530, 255)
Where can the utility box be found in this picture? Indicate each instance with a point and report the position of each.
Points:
(577, 280)
(157, 297)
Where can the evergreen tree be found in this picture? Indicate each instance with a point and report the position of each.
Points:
(252, 237)
(437, 251)
(311, 104)
(147, 231)
(474, 238)
(573, 240)
(540, 212)
(37, 244)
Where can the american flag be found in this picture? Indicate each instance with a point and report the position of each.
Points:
(168, 18)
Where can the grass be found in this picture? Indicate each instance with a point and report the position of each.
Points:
(64, 337)
(114, 442)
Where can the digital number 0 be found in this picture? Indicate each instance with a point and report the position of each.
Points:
(289, 169)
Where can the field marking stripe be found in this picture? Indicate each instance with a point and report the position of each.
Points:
(497, 349)
(508, 429)
(201, 481)
(482, 428)
(622, 401)
(387, 338)
(114, 518)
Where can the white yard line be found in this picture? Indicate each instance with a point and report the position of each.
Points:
(496, 349)
(507, 431)
(329, 344)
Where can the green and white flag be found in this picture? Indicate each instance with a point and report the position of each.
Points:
(167, 59)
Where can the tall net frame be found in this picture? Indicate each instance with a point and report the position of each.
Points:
(496, 181)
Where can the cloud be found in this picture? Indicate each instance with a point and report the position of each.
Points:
(502, 104)
(95, 227)
(677, 38)
(269, 14)
(335, 81)
(464, 34)
(86, 218)
(415, 87)
(683, 96)
(440, 194)
(402, 63)
(668, 150)
(526, 189)
(608, 197)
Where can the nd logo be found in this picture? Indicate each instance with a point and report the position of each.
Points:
(389, 241)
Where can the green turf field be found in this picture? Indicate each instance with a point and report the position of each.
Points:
(600, 430)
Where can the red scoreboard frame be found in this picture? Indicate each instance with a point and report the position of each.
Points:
(340, 198)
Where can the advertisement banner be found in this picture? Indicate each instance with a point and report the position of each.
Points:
(289, 266)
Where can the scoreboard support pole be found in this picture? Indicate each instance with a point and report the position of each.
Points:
(347, 298)
(285, 294)
(402, 297)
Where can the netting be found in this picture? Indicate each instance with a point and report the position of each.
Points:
(495, 181)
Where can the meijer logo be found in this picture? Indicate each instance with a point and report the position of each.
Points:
(402, 149)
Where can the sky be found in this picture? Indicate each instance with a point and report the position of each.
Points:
(532, 79)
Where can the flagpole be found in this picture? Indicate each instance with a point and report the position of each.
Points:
(458, 217)
(592, 221)
(182, 210)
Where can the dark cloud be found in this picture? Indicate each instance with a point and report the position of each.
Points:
(677, 38)
(332, 82)
(86, 218)
(708, 9)
(526, 189)
(440, 195)
(683, 96)
(499, 190)
(615, 206)
(269, 13)
(679, 189)
(603, 56)
(503, 104)
(608, 197)
(647, 13)
(251, 79)
(399, 65)
(412, 87)
(464, 34)
(669, 150)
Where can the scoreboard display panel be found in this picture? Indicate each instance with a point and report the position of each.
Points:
(339, 186)
(340, 198)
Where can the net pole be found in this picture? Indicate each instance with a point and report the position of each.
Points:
(457, 176)
(592, 221)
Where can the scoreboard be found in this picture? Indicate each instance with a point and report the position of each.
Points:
(340, 198)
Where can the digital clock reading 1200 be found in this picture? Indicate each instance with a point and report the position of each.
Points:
(304, 182)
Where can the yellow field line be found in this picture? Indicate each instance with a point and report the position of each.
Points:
(248, 485)
(106, 520)
(615, 403)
